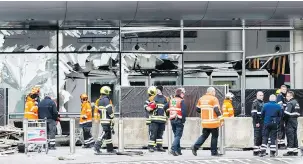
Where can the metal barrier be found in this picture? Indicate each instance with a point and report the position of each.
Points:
(222, 139)
(63, 117)
(120, 136)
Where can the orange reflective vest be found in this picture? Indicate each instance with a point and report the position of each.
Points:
(86, 113)
(175, 108)
(31, 109)
(228, 109)
(96, 110)
(209, 118)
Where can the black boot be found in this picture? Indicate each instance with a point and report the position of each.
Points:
(216, 154)
(262, 153)
(110, 148)
(295, 153)
(194, 150)
(256, 153)
(288, 154)
(272, 153)
(174, 153)
(97, 149)
(160, 149)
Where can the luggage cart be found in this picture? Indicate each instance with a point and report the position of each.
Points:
(35, 135)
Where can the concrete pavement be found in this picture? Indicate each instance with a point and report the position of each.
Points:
(86, 156)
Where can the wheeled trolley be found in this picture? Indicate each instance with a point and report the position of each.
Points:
(35, 135)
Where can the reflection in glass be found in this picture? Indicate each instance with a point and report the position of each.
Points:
(21, 72)
(89, 40)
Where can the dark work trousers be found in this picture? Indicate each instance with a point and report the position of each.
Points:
(157, 130)
(177, 127)
(214, 139)
(270, 130)
(106, 137)
(281, 132)
(257, 137)
(88, 138)
(291, 134)
(51, 132)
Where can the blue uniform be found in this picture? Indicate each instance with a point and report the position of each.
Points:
(271, 114)
(281, 100)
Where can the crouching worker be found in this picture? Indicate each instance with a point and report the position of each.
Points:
(106, 119)
(86, 121)
(31, 109)
(272, 115)
(177, 113)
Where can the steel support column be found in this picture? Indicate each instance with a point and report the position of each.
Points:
(182, 50)
(291, 60)
(243, 79)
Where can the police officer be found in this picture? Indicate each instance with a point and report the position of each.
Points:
(291, 114)
(47, 109)
(209, 107)
(151, 91)
(271, 114)
(257, 106)
(86, 121)
(158, 120)
(106, 119)
(281, 100)
(177, 113)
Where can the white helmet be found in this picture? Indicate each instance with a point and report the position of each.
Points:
(229, 95)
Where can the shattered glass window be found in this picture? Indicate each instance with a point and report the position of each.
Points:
(27, 41)
(89, 41)
(153, 67)
(21, 72)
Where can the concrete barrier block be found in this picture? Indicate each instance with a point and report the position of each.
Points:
(300, 131)
(135, 132)
(239, 132)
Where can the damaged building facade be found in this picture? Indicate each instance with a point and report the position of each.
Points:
(68, 58)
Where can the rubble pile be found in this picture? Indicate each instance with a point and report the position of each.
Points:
(10, 138)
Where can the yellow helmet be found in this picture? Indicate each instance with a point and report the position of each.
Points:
(152, 90)
(105, 90)
(278, 91)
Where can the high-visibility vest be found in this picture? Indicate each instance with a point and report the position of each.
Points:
(228, 109)
(31, 109)
(86, 113)
(175, 108)
(209, 118)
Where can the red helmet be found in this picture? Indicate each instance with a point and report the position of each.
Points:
(152, 105)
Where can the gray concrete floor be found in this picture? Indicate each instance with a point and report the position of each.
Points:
(86, 156)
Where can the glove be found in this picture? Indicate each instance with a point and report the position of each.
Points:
(112, 129)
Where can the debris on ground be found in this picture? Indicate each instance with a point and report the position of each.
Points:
(10, 138)
(65, 159)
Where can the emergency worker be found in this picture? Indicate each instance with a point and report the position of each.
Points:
(47, 109)
(106, 119)
(281, 100)
(158, 120)
(86, 121)
(291, 114)
(31, 109)
(211, 119)
(151, 91)
(227, 108)
(177, 113)
(257, 106)
(271, 116)
(37, 90)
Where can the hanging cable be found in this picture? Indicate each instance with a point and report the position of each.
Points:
(272, 15)
(206, 8)
(64, 14)
(134, 15)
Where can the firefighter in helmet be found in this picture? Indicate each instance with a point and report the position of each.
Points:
(106, 112)
(151, 91)
(86, 121)
(227, 108)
